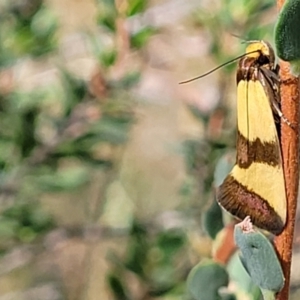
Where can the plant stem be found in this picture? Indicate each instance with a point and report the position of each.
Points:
(290, 152)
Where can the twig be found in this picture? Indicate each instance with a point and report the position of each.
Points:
(290, 152)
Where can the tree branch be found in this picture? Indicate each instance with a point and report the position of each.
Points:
(290, 152)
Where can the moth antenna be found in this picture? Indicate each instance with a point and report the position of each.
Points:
(218, 67)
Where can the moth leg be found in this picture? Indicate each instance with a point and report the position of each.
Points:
(281, 115)
(272, 76)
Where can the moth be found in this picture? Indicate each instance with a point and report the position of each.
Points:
(255, 186)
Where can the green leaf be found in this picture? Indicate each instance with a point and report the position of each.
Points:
(213, 220)
(287, 37)
(135, 7)
(205, 280)
(44, 23)
(170, 242)
(108, 58)
(223, 167)
(139, 39)
(117, 287)
(64, 180)
(239, 275)
(259, 259)
(107, 15)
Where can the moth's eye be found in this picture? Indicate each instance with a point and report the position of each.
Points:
(263, 59)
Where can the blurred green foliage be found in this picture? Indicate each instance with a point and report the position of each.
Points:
(155, 260)
(27, 28)
(23, 222)
(53, 137)
(245, 19)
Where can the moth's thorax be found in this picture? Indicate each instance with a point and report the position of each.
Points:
(261, 51)
(249, 67)
(259, 55)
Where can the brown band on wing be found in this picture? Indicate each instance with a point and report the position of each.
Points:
(256, 151)
(241, 202)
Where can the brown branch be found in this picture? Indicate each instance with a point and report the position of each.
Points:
(290, 152)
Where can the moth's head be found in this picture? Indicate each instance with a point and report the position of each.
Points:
(262, 52)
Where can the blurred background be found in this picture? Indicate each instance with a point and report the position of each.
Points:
(107, 164)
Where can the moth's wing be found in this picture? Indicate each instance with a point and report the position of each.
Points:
(255, 187)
